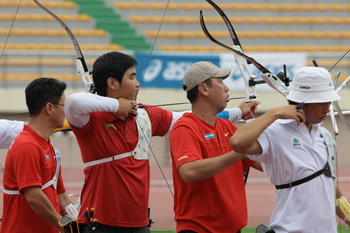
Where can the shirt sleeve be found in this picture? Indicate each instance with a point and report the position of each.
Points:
(265, 140)
(9, 130)
(231, 114)
(187, 147)
(27, 166)
(79, 106)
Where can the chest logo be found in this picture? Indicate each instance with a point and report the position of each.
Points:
(209, 135)
(295, 142)
(111, 128)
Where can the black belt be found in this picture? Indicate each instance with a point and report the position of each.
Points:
(295, 183)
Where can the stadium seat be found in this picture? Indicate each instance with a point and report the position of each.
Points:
(331, 34)
(287, 7)
(171, 19)
(316, 34)
(185, 34)
(235, 20)
(136, 19)
(251, 19)
(312, 48)
(187, 6)
(152, 19)
(138, 5)
(249, 48)
(298, 34)
(149, 33)
(317, 20)
(168, 47)
(282, 34)
(156, 6)
(338, 7)
(334, 20)
(270, 7)
(169, 34)
(327, 48)
(301, 20)
(189, 19)
(346, 20)
(268, 20)
(237, 6)
(172, 6)
(279, 48)
(303, 7)
(254, 7)
(122, 5)
(342, 48)
(266, 34)
(206, 6)
(48, 4)
(282, 20)
(249, 34)
(344, 34)
(263, 48)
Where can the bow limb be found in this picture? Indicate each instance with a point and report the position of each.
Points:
(331, 108)
(334, 121)
(272, 80)
(336, 105)
(341, 115)
(80, 62)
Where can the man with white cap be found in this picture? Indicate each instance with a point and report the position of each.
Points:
(207, 173)
(297, 154)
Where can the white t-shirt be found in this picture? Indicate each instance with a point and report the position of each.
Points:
(290, 153)
(9, 130)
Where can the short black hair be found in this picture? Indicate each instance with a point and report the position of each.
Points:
(42, 91)
(192, 95)
(110, 65)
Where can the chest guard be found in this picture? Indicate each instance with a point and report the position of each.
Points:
(142, 147)
(331, 149)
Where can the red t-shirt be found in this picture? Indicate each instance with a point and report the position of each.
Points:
(216, 204)
(118, 190)
(30, 162)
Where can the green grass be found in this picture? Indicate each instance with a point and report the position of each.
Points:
(245, 230)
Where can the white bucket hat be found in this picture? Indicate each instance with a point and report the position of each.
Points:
(312, 85)
(201, 71)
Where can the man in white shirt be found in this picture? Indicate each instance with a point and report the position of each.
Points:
(297, 154)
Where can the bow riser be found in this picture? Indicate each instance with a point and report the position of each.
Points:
(85, 77)
(250, 91)
(275, 83)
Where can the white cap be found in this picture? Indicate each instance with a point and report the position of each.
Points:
(201, 71)
(312, 85)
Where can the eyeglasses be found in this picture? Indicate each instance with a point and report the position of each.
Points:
(55, 104)
(59, 105)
